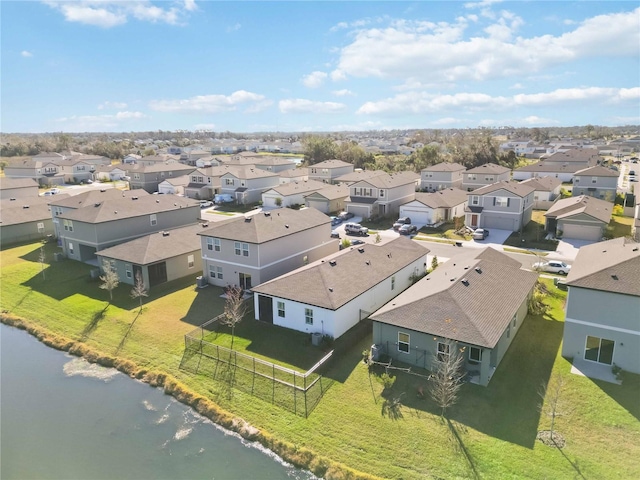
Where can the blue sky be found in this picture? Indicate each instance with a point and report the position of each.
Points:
(101, 65)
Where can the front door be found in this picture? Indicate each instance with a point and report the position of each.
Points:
(474, 220)
(244, 281)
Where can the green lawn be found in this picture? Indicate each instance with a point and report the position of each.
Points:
(532, 235)
(619, 227)
(491, 432)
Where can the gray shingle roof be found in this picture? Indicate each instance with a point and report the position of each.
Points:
(548, 167)
(300, 186)
(264, 227)
(332, 192)
(594, 207)
(543, 184)
(444, 167)
(294, 172)
(384, 180)
(442, 305)
(447, 198)
(13, 212)
(612, 266)
(331, 164)
(157, 246)
(489, 168)
(598, 171)
(345, 276)
(8, 183)
(515, 188)
(94, 196)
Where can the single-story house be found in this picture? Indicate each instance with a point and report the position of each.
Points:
(334, 294)
(18, 188)
(602, 323)
(158, 258)
(290, 194)
(583, 218)
(173, 186)
(439, 206)
(546, 190)
(457, 303)
(299, 174)
(330, 199)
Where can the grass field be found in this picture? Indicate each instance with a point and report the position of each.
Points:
(491, 432)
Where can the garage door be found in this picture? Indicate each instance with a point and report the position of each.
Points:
(499, 223)
(417, 216)
(582, 232)
(359, 211)
(323, 206)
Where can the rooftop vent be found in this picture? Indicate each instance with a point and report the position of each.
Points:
(614, 276)
(361, 250)
(25, 206)
(102, 190)
(465, 282)
(333, 263)
(368, 262)
(97, 204)
(205, 225)
(157, 201)
(134, 198)
(466, 267)
(635, 249)
(115, 211)
(247, 219)
(389, 255)
(267, 214)
(286, 226)
(12, 199)
(331, 289)
(478, 270)
(453, 279)
(165, 234)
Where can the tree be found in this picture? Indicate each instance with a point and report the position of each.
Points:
(234, 309)
(278, 201)
(139, 290)
(552, 405)
(318, 149)
(446, 375)
(42, 259)
(434, 263)
(110, 278)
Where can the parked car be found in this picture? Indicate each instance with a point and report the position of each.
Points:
(206, 204)
(356, 229)
(357, 242)
(552, 266)
(632, 173)
(53, 191)
(408, 230)
(335, 234)
(480, 233)
(400, 222)
(335, 221)
(344, 216)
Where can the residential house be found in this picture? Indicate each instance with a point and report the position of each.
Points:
(332, 295)
(356, 176)
(329, 170)
(148, 177)
(432, 208)
(250, 250)
(289, 194)
(158, 257)
(151, 160)
(602, 322)
(331, 199)
(546, 190)
(299, 174)
(582, 218)
(598, 182)
(381, 195)
(175, 186)
(76, 171)
(111, 173)
(45, 172)
(202, 184)
(563, 172)
(274, 164)
(18, 188)
(246, 183)
(441, 175)
(503, 205)
(131, 158)
(484, 175)
(84, 231)
(25, 219)
(457, 303)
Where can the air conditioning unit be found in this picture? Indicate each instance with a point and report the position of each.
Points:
(201, 281)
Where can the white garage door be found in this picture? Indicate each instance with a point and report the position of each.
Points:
(359, 211)
(319, 205)
(500, 223)
(417, 216)
(582, 232)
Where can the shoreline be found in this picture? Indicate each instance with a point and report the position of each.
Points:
(298, 457)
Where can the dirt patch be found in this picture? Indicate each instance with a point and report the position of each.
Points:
(556, 440)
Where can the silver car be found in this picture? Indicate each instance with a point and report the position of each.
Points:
(552, 266)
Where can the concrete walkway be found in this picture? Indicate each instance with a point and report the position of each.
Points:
(596, 371)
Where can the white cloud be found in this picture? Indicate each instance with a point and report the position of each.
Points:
(300, 105)
(128, 115)
(424, 50)
(26, 53)
(112, 105)
(86, 123)
(111, 13)
(314, 79)
(210, 103)
(481, 4)
(426, 103)
(447, 121)
(343, 93)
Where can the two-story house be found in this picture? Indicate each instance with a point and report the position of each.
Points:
(76, 171)
(441, 175)
(148, 177)
(84, 231)
(246, 183)
(26, 219)
(381, 195)
(45, 172)
(546, 190)
(602, 322)
(247, 251)
(298, 174)
(484, 175)
(334, 294)
(598, 182)
(329, 170)
(503, 205)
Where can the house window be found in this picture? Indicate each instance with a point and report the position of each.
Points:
(190, 262)
(308, 316)
(501, 202)
(153, 218)
(475, 354)
(381, 193)
(472, 176)
(136, 176)
(68, 225)
(513, 323)
(599, 350)
(305, 260)
(213, 244)
(70, 248)
(475, 200)
(241, 249)
(403, 342)
(281, 309)
(443, 352)
(57, 211)
(489, 179)
(40, 227)
(393, 283)
(594, 179)
(228, 181)
(215, 272)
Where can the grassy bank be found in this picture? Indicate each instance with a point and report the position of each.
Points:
(491, 433)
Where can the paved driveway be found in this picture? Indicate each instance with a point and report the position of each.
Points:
(496, 237)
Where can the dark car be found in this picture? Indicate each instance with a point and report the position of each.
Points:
(357, 242)
(400, 222)
(408, 230)
(335, 221)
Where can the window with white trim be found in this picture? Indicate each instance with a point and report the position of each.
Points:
(40, 227)
(153, 219)
(70, 248)
(127, 270)
(281, 309)
(475, 200)
(443, 352)
(475, 354)
(404, 342)
(594, 179)
(308, 316)
(228, 181)
(502, 202)
(190, 261)
(215, 272)
(213, 244)
(68, 225)
(57, 211)
(381, 193)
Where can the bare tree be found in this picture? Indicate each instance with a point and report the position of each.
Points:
(139, 290)
(553, 406)
(110, 278)
(447, 375)
(42, 259)
(234, 309)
